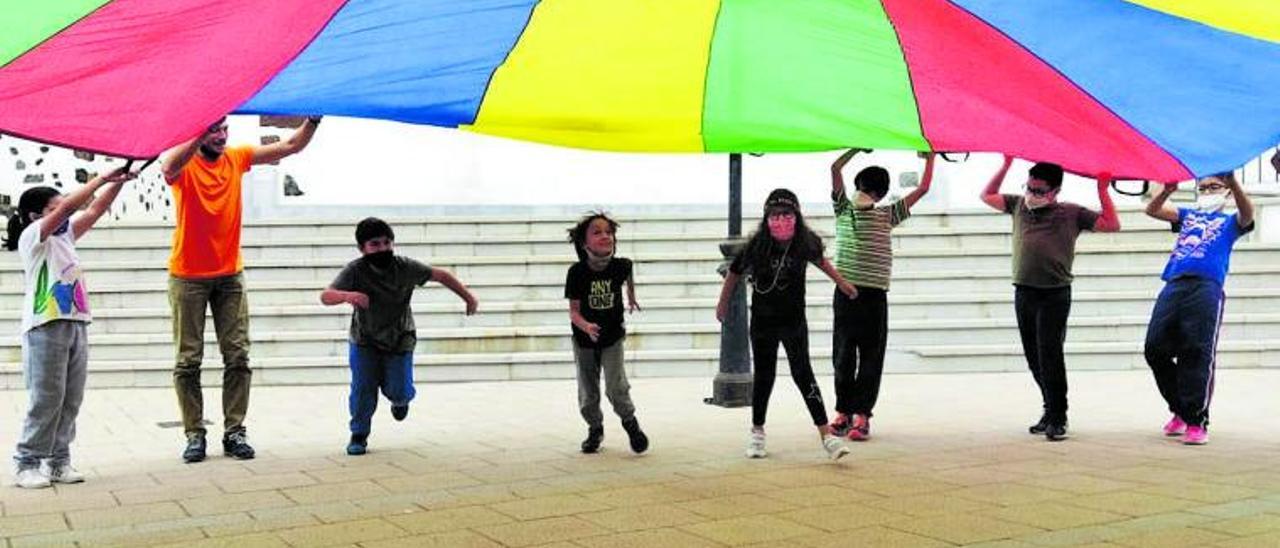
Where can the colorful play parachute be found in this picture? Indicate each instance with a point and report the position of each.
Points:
(1153, 89)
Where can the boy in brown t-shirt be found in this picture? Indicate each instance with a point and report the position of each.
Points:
(1044, 247)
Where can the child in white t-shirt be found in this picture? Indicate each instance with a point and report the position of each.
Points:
(55, 312)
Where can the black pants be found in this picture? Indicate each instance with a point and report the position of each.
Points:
(793, 333)
(1181, 347)
(857, 345)
(1042, 322)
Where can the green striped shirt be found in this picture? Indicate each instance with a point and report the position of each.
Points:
(864, 252)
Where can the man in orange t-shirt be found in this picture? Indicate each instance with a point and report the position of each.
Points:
(205, 271)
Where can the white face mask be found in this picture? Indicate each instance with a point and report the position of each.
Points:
(1036, 202)
(1211, 203)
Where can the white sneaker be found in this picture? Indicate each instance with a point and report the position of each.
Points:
(835, 448)
(755, 445)
(62, 473)
(30, 478)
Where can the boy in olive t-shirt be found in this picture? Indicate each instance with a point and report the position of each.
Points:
(1044, 248)
(379, 286)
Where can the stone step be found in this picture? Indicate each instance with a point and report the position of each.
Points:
(96, 250)
(531, 313)
(408, 229)
(306, 292)
(951, 298)
(905, 335)
(714, 221)
(517, 269)
(645, 363)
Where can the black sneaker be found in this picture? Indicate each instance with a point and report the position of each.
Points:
(358, 444)
(595, 435)
(236, 445)
(1056, 432)
(195, 451)
(1040, 426)
(399, 412)
(639, 441)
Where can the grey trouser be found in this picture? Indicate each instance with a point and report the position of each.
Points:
(189, 298)
(55, 357)
(590, 362)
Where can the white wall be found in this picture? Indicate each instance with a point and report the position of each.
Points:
(363, 162)
(396, 163)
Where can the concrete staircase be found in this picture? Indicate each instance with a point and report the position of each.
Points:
(951, 307)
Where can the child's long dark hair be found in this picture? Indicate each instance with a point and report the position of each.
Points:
(32, 202)
(805, 241)
(578, 234)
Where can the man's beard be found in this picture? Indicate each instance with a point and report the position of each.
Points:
(209, 152)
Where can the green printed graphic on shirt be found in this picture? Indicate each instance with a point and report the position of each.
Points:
(602, 295)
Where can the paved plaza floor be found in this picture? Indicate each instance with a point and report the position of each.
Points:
(496, 464)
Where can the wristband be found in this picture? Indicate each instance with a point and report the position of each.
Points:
(315, 119)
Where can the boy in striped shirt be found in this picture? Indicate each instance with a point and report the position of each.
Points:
(864, 256)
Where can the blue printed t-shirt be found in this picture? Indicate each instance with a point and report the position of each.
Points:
(1203, 249)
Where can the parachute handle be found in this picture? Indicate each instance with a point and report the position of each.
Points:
(1146, 186)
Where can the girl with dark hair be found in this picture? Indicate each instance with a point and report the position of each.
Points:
(774, 262)
(594, 289)
(55, 312)
(32, 202)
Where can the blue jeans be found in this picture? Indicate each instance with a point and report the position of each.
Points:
(1182, 345)
(371, 370)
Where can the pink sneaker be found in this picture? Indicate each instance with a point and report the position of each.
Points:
(1196, 435)
(860, 429)
(840, 426)
(1175, 427)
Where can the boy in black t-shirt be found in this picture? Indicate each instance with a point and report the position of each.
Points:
(379, 286)
(594, 289)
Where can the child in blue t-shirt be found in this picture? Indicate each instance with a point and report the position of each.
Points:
(1182, 337)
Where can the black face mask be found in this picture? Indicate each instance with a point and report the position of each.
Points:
(381, 259)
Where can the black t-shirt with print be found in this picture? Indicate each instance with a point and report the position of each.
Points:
(600, 295)
(777, 275)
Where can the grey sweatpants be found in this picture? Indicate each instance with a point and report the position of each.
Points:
(55, 357)
(591, 361)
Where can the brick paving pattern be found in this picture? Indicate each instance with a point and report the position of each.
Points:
(495, 464)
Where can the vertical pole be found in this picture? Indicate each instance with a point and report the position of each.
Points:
(735, 196)
(732, 385)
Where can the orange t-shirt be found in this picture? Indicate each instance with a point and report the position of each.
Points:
(207, 203)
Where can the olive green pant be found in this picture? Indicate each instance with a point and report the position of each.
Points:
(189, 298)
